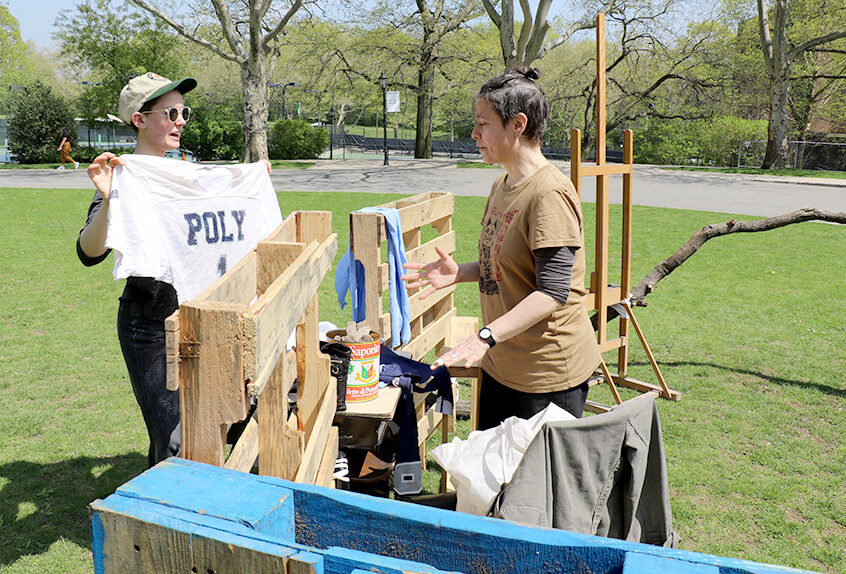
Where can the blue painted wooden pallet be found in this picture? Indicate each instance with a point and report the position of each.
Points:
(183, 516)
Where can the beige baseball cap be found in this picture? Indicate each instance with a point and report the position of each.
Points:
(149, 86)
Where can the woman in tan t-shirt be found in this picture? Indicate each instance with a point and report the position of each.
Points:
(537, 345)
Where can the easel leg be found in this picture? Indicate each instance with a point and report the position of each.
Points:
(610, 380)
(665, 390)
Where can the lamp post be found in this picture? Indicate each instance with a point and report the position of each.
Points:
(331, 130)
(284, 87)
(383, 82)
(87, 83)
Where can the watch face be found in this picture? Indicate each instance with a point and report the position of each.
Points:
(485, 333)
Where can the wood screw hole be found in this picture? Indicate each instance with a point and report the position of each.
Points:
(137, 548)
(209, 571)
(194, 570)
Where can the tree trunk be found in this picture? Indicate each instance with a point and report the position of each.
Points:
(776, 154)
(425, 100)
(254, 83)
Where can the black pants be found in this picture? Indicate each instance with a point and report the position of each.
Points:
(498, 402)
(142, 341)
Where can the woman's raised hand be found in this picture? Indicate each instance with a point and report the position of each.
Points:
(100, 172)
(436, 275)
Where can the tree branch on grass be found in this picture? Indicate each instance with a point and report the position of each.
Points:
(647, 285)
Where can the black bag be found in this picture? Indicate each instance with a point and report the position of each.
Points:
(339, 355)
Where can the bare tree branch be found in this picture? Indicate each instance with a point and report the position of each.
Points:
(807, 44)
(648, 283)
(181, 30)
(283, 22)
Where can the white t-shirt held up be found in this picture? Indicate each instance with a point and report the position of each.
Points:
(186, 224)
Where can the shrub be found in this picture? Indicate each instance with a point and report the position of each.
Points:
(296, 139)
(38, 117)
(86, 154)
(213, 133)
(702, 142)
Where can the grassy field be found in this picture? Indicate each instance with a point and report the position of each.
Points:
(781, 171)
(750, 330)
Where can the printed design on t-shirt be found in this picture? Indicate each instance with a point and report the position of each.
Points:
(490, 245)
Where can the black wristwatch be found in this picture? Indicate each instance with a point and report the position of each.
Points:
(486, 335)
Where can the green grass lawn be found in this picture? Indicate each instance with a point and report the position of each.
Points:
(287, 164)
(478, 165)
(782, 171)
(38, 165)
(750, 332)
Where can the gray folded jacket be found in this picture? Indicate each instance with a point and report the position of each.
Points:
(602, 475)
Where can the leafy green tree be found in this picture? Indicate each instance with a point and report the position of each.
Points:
(246, 33)
(214, 132)
(115, 42)
(787, 31)
(38, 117)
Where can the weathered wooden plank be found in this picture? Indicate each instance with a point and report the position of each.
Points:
(366, 234)
(327, 462)
(172, 351)
(211, 378)
(141, 547)
(237, 286)
(576, 160)
(426, 253)
(279, 446)
(246, 450)
(313, 453)
(645, 564)
(305, 563)
(313, 226)
(286, 232)
(429, 337)
(273, 258)
(437, 206)
(269, 321)
(312, 369)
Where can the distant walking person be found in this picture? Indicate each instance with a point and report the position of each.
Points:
(64, 148)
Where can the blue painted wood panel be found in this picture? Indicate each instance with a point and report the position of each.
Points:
(350, 531)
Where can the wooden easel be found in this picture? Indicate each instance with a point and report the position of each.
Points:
(602, 295)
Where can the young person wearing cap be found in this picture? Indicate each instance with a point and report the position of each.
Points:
(153, 107)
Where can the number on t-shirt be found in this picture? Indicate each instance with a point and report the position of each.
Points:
(221, 265)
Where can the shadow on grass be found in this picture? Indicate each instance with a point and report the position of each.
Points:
(42, 503)
(829, 390)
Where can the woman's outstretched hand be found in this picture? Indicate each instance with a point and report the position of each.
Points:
(466, 353)
(100, 172)
(437, 275)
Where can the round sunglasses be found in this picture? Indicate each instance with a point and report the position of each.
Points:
(173, 113)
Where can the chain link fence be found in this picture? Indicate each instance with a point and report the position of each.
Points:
(801, 154)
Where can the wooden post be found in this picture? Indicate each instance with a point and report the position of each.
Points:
(626, 263)
(600, 288)
(576, 159)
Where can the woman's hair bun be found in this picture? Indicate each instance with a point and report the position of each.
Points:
(529, 73)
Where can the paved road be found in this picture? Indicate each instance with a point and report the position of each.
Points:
(728, 193)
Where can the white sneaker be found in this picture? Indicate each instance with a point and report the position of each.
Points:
(76, 165)
(61, 167)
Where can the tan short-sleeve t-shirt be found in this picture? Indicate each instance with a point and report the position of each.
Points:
(559, 352)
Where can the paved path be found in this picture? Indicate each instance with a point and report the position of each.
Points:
(729, 193)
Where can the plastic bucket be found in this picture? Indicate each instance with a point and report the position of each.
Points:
(363, 374)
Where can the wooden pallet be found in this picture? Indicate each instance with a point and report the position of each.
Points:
(183, 516)
(227, 345)
(435, 324)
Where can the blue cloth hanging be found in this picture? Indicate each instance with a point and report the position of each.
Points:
(346, 280)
